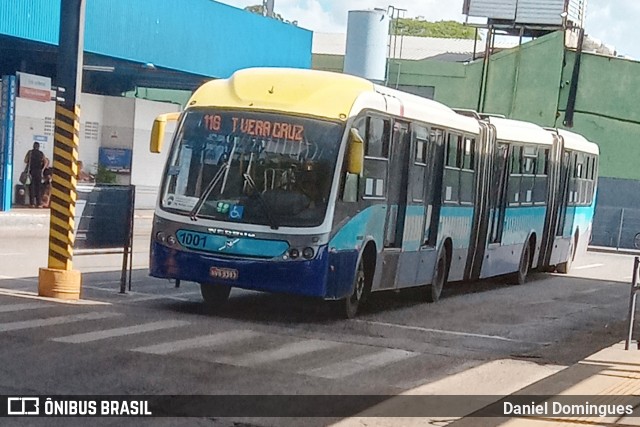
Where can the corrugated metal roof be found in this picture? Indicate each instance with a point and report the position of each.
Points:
(413, 48)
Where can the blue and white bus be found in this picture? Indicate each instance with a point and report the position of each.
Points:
(327, 185)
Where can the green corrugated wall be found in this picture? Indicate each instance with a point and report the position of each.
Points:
(531, 83)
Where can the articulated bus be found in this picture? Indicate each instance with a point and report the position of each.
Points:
(330, 186)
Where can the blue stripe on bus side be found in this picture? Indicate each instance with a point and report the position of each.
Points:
(520, 221)
(569, 222)
(366, 224)
(413, 228)
(456, 222)
(583, 216)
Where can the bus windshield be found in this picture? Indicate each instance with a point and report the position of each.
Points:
(252, 167)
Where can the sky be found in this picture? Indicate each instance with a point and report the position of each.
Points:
(614, 22)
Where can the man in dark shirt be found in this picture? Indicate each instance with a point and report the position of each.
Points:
(36, 163)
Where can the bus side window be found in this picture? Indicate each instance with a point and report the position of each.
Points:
(377, 140)
(452, 150)
(421, 144)
(515, 176)
(467, 155)
(451, 182)
(540, 186)
(572, 180)
(527, 183)
(376, 153)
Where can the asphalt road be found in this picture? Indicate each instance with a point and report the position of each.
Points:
(487, 337)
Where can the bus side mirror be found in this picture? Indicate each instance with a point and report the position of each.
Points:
(355, 159)
(157, 132)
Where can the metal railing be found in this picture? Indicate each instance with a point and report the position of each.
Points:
(617, 228)
(635, 288)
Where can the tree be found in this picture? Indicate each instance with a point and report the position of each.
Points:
(440, 29)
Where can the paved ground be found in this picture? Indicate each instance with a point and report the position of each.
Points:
(481, 338)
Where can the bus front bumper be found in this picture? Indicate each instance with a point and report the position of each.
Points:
(297, 277)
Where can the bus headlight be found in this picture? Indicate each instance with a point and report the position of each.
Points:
(171, 240)
(161, 237)
(307, 253)
(294, 253)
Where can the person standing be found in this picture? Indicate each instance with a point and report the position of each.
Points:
(36, 163)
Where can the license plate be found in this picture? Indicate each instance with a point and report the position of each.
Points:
(223, 273)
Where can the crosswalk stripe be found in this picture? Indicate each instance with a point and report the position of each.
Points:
(50, 321)
(198, 342)
(358, 364)
(118, 332)
(284, 352)
(19, 307)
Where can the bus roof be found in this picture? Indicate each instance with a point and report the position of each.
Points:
(321, 94)
(576, 142)
(519, 131)
(306, 92)
(429, 111)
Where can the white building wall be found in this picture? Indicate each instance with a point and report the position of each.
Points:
(147, 167)
(91, 113)
(105, 121)
(34, 120)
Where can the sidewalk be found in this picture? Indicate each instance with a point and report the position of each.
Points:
(608, 377)
(39, 218)
(475, 399)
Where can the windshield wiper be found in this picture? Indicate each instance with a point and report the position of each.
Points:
(216, 178)
(267, 209)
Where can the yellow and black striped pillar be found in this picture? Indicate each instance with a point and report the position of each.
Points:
(59, 280)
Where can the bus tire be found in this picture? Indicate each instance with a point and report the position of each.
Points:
(440, 275)
(353, 302)
(565, 267)
(525, 264)
(214, 296)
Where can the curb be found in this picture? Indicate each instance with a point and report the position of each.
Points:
(39, 218)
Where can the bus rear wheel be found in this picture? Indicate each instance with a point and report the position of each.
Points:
(215, 296)
(352, 303)
(565, 267)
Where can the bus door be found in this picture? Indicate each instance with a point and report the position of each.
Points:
(498, 193)
(485, 152)
(564, 195)
(554, 199)
(398, 178)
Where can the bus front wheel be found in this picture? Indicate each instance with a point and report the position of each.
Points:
(215, 296)
(353, 302)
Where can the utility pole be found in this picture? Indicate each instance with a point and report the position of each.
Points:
(59, 280)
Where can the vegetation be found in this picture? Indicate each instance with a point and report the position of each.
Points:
(440, 29)
(105, 176)
(406, 26)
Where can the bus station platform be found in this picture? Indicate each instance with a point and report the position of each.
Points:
(609, 377)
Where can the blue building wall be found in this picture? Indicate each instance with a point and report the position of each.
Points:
(196, 36)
